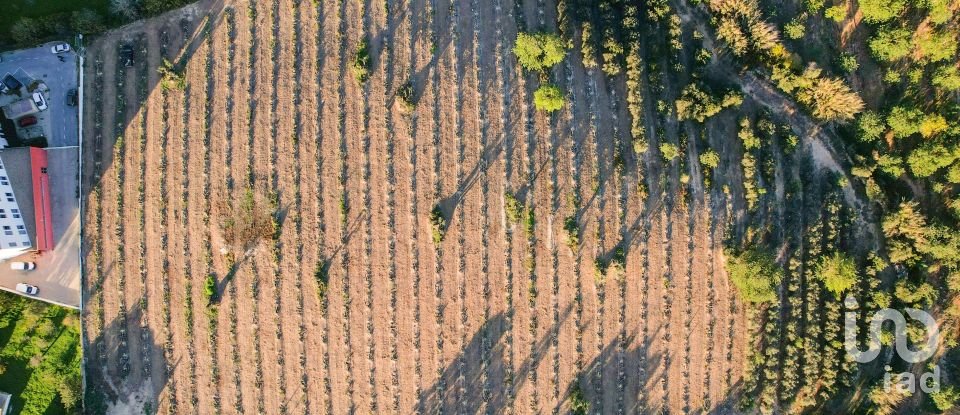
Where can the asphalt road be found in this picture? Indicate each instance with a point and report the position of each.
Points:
(60, 76)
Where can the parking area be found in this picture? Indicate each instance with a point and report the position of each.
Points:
(57, 273)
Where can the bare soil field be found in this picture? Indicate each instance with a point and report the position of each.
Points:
(348, 305)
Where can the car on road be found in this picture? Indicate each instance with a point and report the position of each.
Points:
(23, 266)
(72, 97)
(60, 48)
(27, 289)
(38, 99)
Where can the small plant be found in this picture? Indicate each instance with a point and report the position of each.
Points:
(361, 62)
(600, 266)
(514, 208)
(210, 288)
(578, 403)
(321, 275)
(572, 228)
(170, 77)
(405, 95)
(439, 224)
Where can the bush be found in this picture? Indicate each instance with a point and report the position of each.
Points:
(579, 405)
(755, 274)
(405, 94)
(514, 208)
(848, 62)
(548, 98)
(322, 277)
(170, 77)
(871, 126)
(439, 224)
(155, 7)
(361, 62)
(572, 228)
(210, 288)
(879, 11)
(946, 398)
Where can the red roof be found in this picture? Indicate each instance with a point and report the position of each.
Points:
(41, 199)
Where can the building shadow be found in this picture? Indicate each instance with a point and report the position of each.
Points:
(106, 389)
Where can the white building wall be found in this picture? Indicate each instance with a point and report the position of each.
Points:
(13, 231)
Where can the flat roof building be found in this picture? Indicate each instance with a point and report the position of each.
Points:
(25, 216)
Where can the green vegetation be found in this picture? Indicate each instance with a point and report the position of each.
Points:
(210, 289)
(361, 62)
(548, 98)
(572, 228)
(669, 151)
(579, 405)
(170, 77)
(539, 51)
(29, 22)
(838, 273)
(405, 94)
(39, 356)
(695, 103)
(755, 274)
(439, 224)
(321, 275)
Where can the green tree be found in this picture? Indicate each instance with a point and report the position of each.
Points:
(870, 126)
(795, 29)
(946, 398)
(891, 44)
(836, 13)
(848, 62)
(925, 160)
(947, 77)
(755, 274)
(548, 98)
(838, 273)
(879, 11)
(710, 159)
(935, 46)
(539, 51)
(25, 31)
(87, 21)
(669, 151)
(904, 121)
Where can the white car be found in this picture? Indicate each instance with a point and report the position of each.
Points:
(38, 99)
(27, 289)
(23, 266)
(60, 48)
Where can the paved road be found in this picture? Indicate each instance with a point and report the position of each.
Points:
(40, 64)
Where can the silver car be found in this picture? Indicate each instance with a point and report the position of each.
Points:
(27, 289)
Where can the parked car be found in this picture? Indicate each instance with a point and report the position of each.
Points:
(27, 289)
(60, 48)
(23, 266)
(126, 55)
(72, 97)
(27, 121)
(38, 99)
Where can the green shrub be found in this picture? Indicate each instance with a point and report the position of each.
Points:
(836, 13)
(572, 228)
(514, 208)
(361, 62)
(439, 224)
(322, 277)
(548, 98)
(210, 288)
(579, 405)
(710, 159)
(405, 94)
(795, 29)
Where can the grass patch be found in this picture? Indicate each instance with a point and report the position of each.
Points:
(39, 356)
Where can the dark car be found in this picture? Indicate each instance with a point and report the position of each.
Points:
(9, 82)
(27, 121)
(72, 97)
